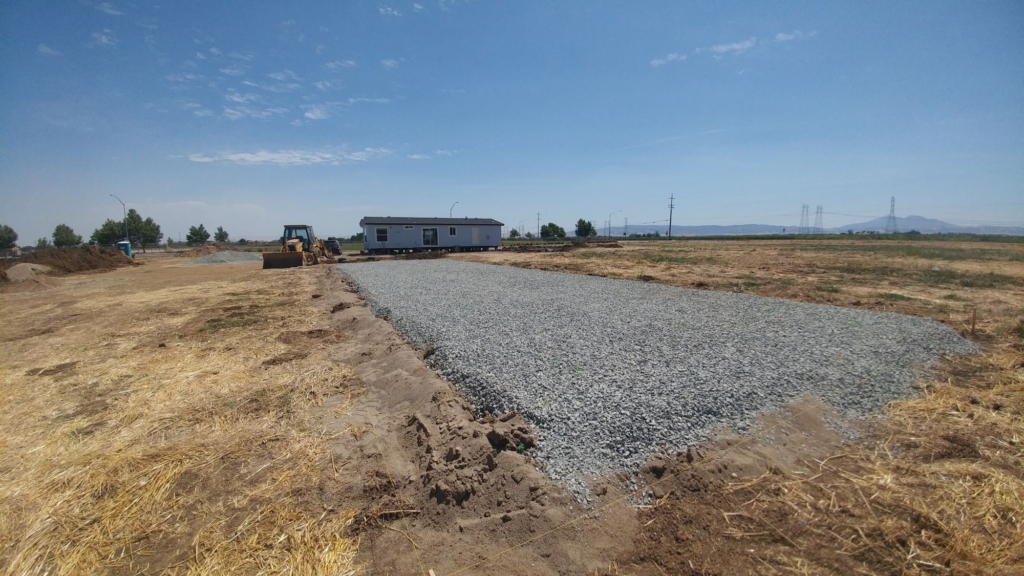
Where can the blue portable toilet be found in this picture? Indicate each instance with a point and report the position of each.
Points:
(126, 247)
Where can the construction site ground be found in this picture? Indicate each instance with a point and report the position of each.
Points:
(166, 418)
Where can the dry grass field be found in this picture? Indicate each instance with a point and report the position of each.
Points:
(153, 420)
(165, 418)
(936, 485)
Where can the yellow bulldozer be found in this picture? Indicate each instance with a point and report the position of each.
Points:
(299, 247)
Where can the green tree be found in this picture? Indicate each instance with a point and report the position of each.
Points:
(221, 235)
(513, 233)
(141, 231)
(585, 229)
(552, 230)
(111, 232)
(43, 242)
(63, 236)
(197, 235)
(529, 234)
(356, 237)
(7, 237)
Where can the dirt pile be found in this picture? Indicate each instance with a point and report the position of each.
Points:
(201, 251)
(540, 248)
(25, 277)
(72, 260)
(433, 254)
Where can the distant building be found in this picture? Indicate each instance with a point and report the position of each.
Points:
(382, 234)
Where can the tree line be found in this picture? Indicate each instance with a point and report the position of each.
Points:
(584, 229)
(140, 232)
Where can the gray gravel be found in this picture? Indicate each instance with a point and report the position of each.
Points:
(229, 257)
(611, 370)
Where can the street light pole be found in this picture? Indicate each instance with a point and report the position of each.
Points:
(125, 208)
(521, 226)
(610, 222)
(452, 208)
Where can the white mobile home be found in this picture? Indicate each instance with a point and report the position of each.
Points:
(383, 234)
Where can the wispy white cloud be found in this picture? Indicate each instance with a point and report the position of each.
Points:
(668, 58)
(418, 156)
(794, 35)
(317, 111)
(340, 64)
(185, 77)
(670, 139)
(200, 56)
(326, 85)
(241, 98)
(320, 48)
(46, 50)
(388, 11)
(238, 111)
(284, 75)
(104, 37)
(293, 157)
(735, 47)
(232, 71)
(215, 51)
(197, 109)
(371, 100)
(147, 23)
(109, 9)
(445, 152)
(417, 7)
(390, 63)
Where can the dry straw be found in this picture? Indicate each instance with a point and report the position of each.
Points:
(191, 457)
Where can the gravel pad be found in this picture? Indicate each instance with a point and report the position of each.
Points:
(229, 257)
(611, 370)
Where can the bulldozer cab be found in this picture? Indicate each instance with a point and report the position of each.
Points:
(298, 232)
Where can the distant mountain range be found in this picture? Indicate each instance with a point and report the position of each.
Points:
(918, 223)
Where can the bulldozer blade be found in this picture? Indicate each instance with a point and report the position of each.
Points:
(282, 260)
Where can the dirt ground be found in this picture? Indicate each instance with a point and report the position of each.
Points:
(935, 485)
(224, 419)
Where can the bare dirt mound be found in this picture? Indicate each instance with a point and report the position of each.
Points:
(431, 255)
(72, 260)
(201, 251)
(540, 248)
(26, 277)
(25, 271)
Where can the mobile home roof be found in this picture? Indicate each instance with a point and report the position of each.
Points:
(399, 221)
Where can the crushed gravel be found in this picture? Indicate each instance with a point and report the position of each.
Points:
(228, 257)
(609, 371)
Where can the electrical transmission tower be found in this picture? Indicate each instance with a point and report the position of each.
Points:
(804, 219)
(671, 206)
(890, 224)
(625, 232)
(818, 225)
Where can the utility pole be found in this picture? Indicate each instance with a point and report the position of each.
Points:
(538, 224)
(671, 206)
(625, 227)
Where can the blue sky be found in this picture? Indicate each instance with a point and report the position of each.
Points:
(253, 114)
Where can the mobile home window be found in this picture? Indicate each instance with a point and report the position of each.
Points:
(451, 231)
(382, 234)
